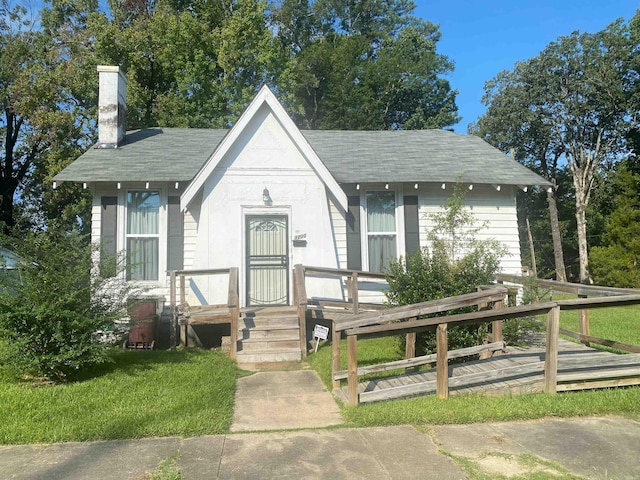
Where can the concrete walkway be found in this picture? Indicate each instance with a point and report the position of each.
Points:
(283, 401)
(295, 402)
(593, 448)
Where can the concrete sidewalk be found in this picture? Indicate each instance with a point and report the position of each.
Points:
(297, 401)
(591, 448)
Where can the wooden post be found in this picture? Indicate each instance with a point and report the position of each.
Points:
(410, 348)
(485, 340)
(300, 298)
(352, 368)
(354, 292)
(335, 354)
(184, 328)
(234, 310)
(442, 366)
(551, 357)
(183, 290)
(496, 327)
(583, 315)
(174, 312)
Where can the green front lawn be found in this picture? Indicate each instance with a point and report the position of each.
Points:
(190, 392)
(142, 394)
(621, 324)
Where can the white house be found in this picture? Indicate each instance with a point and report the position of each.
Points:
(265, 195)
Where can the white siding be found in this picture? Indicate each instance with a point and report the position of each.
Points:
(191, 217)
(339, 227)
(495, 209)
(263, 157)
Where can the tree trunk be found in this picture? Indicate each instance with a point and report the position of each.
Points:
(7, 221)
(561, 274)
(581, 221)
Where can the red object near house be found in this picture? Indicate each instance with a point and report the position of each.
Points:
(143, 324)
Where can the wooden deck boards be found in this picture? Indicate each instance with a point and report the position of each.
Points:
(519, 371)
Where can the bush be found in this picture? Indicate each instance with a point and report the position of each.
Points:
(50, 314)
(455, 264)
(520, 331)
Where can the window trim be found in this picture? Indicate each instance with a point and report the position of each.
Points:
(364, 226)
(162, 227)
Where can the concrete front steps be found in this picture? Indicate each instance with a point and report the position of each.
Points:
(268, 335)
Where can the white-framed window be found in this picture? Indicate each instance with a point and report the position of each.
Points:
(142, 234)
(381, 229)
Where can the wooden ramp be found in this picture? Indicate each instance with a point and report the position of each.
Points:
(520, 370)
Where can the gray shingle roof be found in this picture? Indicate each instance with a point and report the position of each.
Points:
(152, 154)
(176, 154)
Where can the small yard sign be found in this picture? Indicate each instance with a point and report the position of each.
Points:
(320, 333)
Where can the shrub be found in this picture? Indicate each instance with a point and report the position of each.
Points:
(519, 331)
(50, 314)
(455, 264)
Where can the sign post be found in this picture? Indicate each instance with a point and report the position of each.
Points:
(320, 333)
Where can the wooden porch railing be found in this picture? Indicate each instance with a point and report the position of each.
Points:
(405, 320)
(228, 313)
(329, 309)
(583, 292)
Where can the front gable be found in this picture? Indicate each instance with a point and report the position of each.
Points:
(266, 137)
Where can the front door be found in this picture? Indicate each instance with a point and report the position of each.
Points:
(267, 276)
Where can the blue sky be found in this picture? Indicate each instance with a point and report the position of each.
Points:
(486, 37)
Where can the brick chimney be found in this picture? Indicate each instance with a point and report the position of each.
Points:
(112, 106)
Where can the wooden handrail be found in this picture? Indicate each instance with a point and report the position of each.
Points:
(567, 287)
(342, 272)
(483, 316)
(441, 324)
(206, 271)
(422, 360)
(393, 314)
(595, 302)
(601, 341)
(233, 301)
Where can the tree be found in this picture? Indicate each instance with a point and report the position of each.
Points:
(188, 63)
(362, 65)
(513, 127)
(617, 262)
(570, 104)
(41, 121)
(333, 63)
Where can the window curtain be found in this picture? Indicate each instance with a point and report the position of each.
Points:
(381, 218)
(142, 258)
(143, 211)
(382, 249)
(381, 212)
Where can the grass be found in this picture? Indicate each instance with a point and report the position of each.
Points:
(620, 324)
(462, 409)
(167, 470)
(529, 466)
(190, 392)
(616, 323)
(142, 394)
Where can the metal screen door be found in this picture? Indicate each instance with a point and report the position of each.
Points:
(267, 260)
